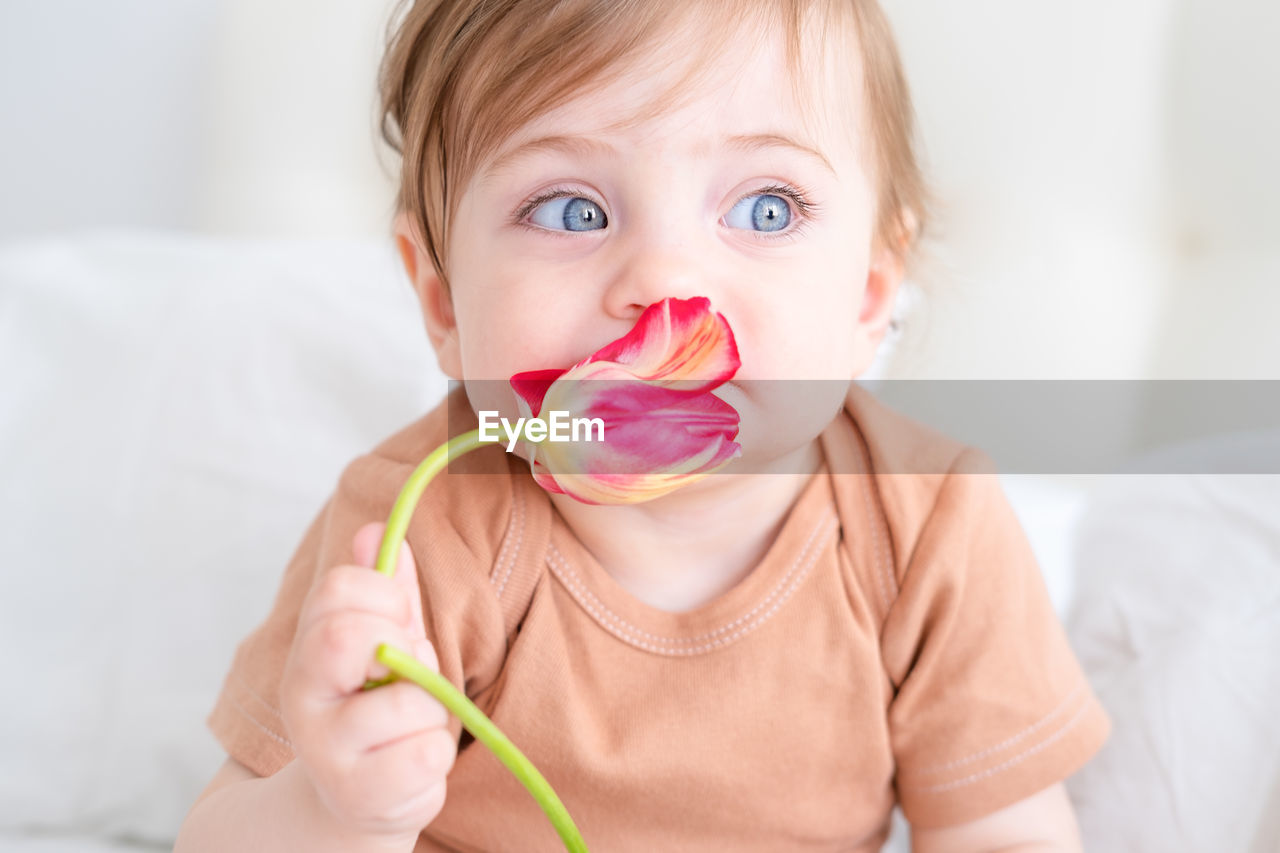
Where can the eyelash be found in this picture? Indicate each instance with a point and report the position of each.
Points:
(799, 197)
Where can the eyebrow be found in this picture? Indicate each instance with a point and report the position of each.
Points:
(583, 146)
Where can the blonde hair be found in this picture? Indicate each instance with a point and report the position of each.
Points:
(461, 76)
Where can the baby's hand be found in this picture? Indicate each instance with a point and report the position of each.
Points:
(377, 759)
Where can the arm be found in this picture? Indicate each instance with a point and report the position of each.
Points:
(992, 710)
(1041, 823)
(239, 810)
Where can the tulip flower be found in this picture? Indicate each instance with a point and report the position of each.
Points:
(651, 390)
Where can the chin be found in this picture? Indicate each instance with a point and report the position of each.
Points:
(779, 417)
(492, 395)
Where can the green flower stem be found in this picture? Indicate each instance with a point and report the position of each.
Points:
(407, 502)
(404, 665)
(474, 720)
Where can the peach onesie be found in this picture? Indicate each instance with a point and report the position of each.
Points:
(895, 643)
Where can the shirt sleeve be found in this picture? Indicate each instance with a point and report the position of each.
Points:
(990, 705)
(454, 542)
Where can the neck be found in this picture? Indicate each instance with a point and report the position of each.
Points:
(689, 546)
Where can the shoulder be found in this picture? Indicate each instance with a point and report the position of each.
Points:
(899, 444)
(918, 475)
(989, 704)
(464, 513)
(478, 535)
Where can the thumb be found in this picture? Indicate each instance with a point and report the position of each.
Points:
(365, 548)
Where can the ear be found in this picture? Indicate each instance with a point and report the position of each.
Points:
(437, 306)
(884, 276)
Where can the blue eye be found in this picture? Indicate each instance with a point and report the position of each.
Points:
(561, 211)
(572, 213)
(766, 212)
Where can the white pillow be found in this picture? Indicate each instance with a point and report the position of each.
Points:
(175, 410)
(1177, 620)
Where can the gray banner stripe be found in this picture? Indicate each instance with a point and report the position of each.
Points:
(1026, 426)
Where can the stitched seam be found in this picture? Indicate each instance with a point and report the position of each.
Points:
(886, 570)
(690, 651)
(1017, 759)
(1003, 745)
(573, 585)
(503, 550)
(251, 718)
(879, 527)
(249, 689)
(517, 521)
(633, 629)
(680, 640)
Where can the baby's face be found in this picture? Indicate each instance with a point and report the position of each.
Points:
(558, 247)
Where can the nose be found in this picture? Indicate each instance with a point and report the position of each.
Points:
(652, 273)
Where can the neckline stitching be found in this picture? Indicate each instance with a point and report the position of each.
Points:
(515, 528)
(886, 582)
(630, 633)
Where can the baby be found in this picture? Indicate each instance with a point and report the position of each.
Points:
(766, 661)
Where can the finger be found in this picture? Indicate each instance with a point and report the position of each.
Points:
(366, 542)
(402, 767)
(366, 545)
(406, 782)
(391, 785)
(335, 654)
(355, 588)
(378, 718)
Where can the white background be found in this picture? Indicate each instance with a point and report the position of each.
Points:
(1107, 169)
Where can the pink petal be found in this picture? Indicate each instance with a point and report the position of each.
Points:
(676, 339)
(682, 433)
(543, 477)
(532, 386)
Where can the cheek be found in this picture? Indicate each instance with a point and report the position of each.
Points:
(515, 323)
(496, 301)
(498, 342)
(809, 334)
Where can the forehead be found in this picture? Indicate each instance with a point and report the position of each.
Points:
(702, 91)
